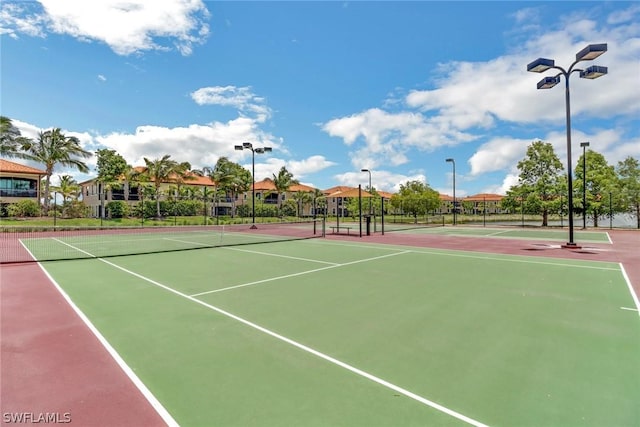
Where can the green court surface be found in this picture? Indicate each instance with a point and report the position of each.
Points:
(329, 333)
(507, 233)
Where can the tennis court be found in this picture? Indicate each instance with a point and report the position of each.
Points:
(344, 332)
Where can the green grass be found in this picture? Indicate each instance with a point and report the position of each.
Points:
(505, 340)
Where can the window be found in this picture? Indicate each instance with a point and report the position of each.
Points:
(18, 187)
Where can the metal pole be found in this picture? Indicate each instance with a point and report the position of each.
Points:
(55, 207)
(484, 209)
(569, 172)
(253, 188)
(584, 185)
(610, 212)
(455, 208)
(370, 207)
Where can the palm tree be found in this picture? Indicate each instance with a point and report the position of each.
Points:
(282, 182)
(53, 148)
(68, 188)
(183, 173)
(302, 199)
(158, 171)
(11, 141)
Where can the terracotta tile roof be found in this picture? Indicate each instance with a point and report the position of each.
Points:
(265, 184)
(301, 187)
(484, 196)
(336, 189)
(12, 167)
(385, 194)
(268, 185)
(445, 198)
(350, 192)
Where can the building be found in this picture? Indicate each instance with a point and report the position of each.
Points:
(267, 193)
(96, 194)
(19, 182)
(482, 203)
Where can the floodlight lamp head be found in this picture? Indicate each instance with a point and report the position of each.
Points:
(239, 148)
(268, 149)
(584, 144)
(450, 160)
(591, 52)
(364, 170)
(593, 72)
(548, 82)
(540, 65)
(247, 145)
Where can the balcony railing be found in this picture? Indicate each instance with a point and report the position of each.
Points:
(6, 192)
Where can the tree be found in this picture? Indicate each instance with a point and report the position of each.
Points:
(540, 177)
(283, 181)
(416, 198)
(600, 179)
(302, 199)
(158, 171)
(68, 188)
(54, 148)
(112, 170)
(12, 142)
(629, 178)
(353, 205)
(110, 165)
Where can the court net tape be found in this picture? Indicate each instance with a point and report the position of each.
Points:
(20, 244)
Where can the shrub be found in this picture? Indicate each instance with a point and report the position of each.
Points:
(24, 208)
(117, 209)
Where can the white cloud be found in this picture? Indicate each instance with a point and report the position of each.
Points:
(127, 27)
(470, 101)
(238, 97)
(102, 78)
(380, 179)
(387, 136)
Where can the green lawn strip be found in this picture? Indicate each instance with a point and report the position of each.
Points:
(208, 369)
(500, 340)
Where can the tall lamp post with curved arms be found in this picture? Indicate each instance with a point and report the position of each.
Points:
(541, 65)
(254, 150)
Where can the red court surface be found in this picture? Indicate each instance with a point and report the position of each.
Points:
(52, 363)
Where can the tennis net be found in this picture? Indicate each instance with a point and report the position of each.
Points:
(31, 244)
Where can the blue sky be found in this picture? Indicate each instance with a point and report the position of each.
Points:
(331, 86)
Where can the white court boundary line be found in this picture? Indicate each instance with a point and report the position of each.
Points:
(463, 254)
(631, 290)
(153, 401)
(296, 344)
(257, 282)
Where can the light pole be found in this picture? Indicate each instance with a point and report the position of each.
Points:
(584, 146)
(367, 170)
(543, 64)
(254, 150)
(452, 161)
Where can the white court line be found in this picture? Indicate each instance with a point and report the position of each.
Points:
(631, 290)
(229, 248)
(463, 254)
(153, 401)
(497, 232)
(286, 276)
(300, 346)
(629, 308)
